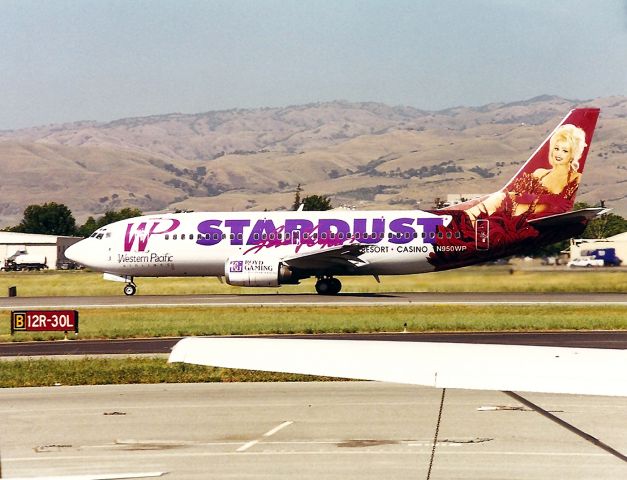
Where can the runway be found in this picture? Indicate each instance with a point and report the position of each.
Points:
(334, 430)
(350, 299)
(138, 346)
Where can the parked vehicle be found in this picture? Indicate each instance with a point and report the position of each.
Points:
(607, 255)
(22, 261)
(586, 261)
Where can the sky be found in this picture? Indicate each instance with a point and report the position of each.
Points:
(71, 60)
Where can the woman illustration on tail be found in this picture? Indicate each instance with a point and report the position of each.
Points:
(544, 191)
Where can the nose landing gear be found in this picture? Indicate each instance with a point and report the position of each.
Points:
(328, 286)
(130, 289)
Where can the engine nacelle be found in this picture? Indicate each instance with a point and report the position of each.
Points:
(256, 271)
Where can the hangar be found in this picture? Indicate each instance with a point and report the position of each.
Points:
(50, 247)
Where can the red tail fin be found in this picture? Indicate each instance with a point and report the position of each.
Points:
(575, 131)
(547, 183)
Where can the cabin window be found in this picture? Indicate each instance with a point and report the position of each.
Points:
(323, 235)
(255, 236)
(167, 237)
(232, 236)
(239, 236)
(449, 235)
(440, 235)
(407, 235)
(174, 237)
(272, 236)
(191, 236)
(182, 236)
(432, 235)
(424, 235)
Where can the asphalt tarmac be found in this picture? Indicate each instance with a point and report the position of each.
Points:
(366, 299)
(334, 430)
(139, 346)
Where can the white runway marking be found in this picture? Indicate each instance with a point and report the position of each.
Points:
(269, 433)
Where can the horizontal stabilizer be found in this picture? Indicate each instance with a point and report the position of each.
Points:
(561, 219)
(586, 371)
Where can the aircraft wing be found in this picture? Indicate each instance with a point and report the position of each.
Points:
(344, 257)
(587, 371)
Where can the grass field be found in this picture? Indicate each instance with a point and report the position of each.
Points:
(119, 371)
(181, 321)
(174, 322)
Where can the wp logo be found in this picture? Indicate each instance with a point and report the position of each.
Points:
(138, 234)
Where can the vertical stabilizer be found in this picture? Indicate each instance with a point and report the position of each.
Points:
(548, 182)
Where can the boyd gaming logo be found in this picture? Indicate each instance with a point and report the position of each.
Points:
(236, 266)
(137, 235)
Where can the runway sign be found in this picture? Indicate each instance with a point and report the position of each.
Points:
(44, 321)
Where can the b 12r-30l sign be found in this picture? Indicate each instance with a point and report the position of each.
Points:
(44, 321)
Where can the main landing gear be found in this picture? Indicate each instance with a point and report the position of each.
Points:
(130, 289)
(328, 286)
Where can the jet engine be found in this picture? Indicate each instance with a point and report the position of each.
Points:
(258, 272)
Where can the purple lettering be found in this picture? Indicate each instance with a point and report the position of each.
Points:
(429, 226)
(212, 234)
(261, 231)
(401, 230)
(364, 236)
(237, 230)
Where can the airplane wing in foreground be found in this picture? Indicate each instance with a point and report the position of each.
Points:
(587, 371)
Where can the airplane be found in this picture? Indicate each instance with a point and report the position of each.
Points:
(269, 249)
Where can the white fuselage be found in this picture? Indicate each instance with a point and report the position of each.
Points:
(200, 243)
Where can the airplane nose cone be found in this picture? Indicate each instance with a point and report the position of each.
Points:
(78, 252)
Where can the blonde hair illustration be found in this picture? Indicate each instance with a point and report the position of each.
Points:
(575, 137)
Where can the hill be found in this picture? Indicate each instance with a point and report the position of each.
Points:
(367, 155)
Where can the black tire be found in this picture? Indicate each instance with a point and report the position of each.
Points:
(129, 289)
(322, 286)
(336, 286)
(328, 286)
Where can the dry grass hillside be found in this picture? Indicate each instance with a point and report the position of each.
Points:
(363, 154)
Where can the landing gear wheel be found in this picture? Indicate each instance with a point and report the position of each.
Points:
(130, 289)
(328, 286)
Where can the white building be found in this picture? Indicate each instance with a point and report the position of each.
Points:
(617, 242)
(52, 247)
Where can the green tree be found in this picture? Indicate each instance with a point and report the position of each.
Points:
(110, 216)
(297, 202)
(48, 219)
(87, 228)
(317, 202)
